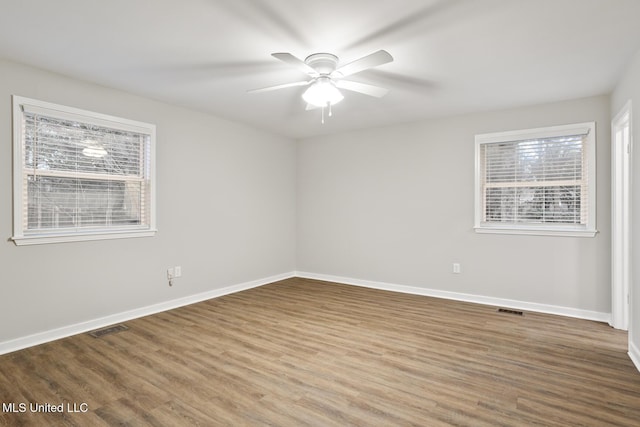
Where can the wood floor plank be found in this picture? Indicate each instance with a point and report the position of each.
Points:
(302, 352)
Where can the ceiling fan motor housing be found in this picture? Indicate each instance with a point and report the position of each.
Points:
(323, 63)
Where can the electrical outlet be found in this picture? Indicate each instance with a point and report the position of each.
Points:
(456, 268)
(170, 273)
(178, 270)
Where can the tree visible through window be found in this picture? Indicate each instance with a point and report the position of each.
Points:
(536, 180)
(80, 175)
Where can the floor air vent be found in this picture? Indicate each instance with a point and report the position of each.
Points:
(108, 330)
(509, 311)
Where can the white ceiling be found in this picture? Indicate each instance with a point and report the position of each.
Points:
(450, 56)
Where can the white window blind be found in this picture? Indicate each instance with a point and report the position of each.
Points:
(80, 175)
(536, 180)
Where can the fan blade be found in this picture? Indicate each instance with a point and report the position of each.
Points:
(296, 62)
(373, 60)
(286, 85)
(366, 89)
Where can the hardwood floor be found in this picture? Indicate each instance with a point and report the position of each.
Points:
(303, 352)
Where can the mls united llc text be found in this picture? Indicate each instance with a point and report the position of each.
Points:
(34, 407)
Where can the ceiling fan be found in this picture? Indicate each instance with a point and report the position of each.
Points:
(326, 77)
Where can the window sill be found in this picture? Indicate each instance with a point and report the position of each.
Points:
(564, 232)
(79, 237)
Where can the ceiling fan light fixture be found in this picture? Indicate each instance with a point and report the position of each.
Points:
(326, 77)
(322, 93)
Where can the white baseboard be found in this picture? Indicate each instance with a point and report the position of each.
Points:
(479, 299)
(78, 328)
(66, 331)
(634, 354)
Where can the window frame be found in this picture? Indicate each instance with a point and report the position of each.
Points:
(21, 236)
(568, 230)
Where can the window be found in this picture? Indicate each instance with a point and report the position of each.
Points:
(80, 175)
(537, 181)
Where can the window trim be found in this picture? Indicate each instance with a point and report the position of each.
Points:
(588, 230)
(22, 105)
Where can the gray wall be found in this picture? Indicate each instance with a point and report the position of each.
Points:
(396, 205)
(225, 208)
(237, 204)
(629, 89)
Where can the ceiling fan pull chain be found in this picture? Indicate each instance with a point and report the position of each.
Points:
(322, 115)
(330, 112)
